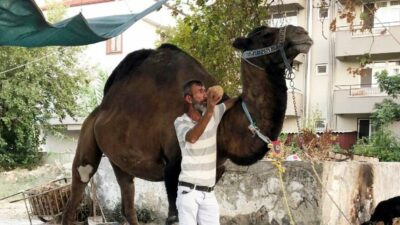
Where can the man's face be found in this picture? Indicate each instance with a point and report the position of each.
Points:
(199, 97)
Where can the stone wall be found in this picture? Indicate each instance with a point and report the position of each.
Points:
(253, 195)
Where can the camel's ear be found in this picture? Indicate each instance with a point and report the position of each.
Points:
(241, 43)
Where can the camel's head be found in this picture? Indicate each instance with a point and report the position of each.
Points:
(295, 40)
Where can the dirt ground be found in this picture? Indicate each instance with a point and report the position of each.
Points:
(19, 180)
(15, 214)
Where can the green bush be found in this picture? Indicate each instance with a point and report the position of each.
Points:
(34, 91)
(382, 144)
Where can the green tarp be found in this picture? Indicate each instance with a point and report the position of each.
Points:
(22, 24)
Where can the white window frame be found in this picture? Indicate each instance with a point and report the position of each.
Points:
(378, 66)
(284, 21)
(320, 129)
(114, 45)
(318, 73)
(377, 24)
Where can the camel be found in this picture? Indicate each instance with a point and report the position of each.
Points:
(133, 125)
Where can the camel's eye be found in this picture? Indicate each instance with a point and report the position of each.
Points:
(268, 33)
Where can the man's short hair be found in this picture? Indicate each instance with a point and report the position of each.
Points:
(187, 87)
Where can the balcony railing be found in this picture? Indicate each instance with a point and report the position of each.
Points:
(361, 90)
(351, 44)
(356, 99)
(378, 29)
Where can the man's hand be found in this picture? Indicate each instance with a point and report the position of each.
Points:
(214, 95)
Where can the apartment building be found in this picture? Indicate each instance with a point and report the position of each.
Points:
(332, 98)
(354, 98)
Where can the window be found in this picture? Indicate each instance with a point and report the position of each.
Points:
(114, 45)
(368, 15)
(323, 13)
(322, 69)
(367, 80)
(364, 128)
(281, 19)
(392, 67)
(320, 125)
(394, 3)
(387, 13)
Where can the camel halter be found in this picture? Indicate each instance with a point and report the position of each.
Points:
(288, 75)
(271, 49)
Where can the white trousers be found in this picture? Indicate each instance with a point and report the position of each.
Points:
(197, 207)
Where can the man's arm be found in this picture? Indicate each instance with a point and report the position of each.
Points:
(230, 102)
(194, 134)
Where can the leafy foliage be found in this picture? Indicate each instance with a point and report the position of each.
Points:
(390, 84)
(92, 94)
(209, 32)
(31, 95)
(383, 145)
(47, 86)
(388, 110)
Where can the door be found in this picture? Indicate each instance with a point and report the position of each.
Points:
(364, 128)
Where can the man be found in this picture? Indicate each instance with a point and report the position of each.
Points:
(196, 130)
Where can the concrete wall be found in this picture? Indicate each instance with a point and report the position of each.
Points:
(348, 122)
(253, 195)
(395, 128)
(290, 125)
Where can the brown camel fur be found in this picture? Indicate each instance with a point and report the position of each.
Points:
(133, 126)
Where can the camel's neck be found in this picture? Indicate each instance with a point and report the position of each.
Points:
(265, 95)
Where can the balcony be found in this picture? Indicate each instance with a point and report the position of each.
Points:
(288, 5)
(357, 99)
(299, 103)
(350, 45)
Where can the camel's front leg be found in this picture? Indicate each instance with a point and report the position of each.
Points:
(220, 172)
(220, 168)
(86, 162)
(127, 186)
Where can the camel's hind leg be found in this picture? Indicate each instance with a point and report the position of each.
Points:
(127, 187)
(86, 162)
(171, 183)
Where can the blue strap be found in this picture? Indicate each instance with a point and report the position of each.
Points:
(246, 111)
(252, 127)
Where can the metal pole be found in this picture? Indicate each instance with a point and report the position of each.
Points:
(27, 210)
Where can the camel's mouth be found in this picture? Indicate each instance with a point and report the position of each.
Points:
(304, 46)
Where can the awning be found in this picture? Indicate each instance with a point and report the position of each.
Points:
(23, 24)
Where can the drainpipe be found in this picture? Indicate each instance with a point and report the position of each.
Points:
(307, 83)
(331, 76)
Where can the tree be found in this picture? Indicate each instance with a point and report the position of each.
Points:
(47, 86)
(387, 111)
(383, 144)
(208, 34)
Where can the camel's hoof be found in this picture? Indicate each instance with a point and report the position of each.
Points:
(172, 220)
